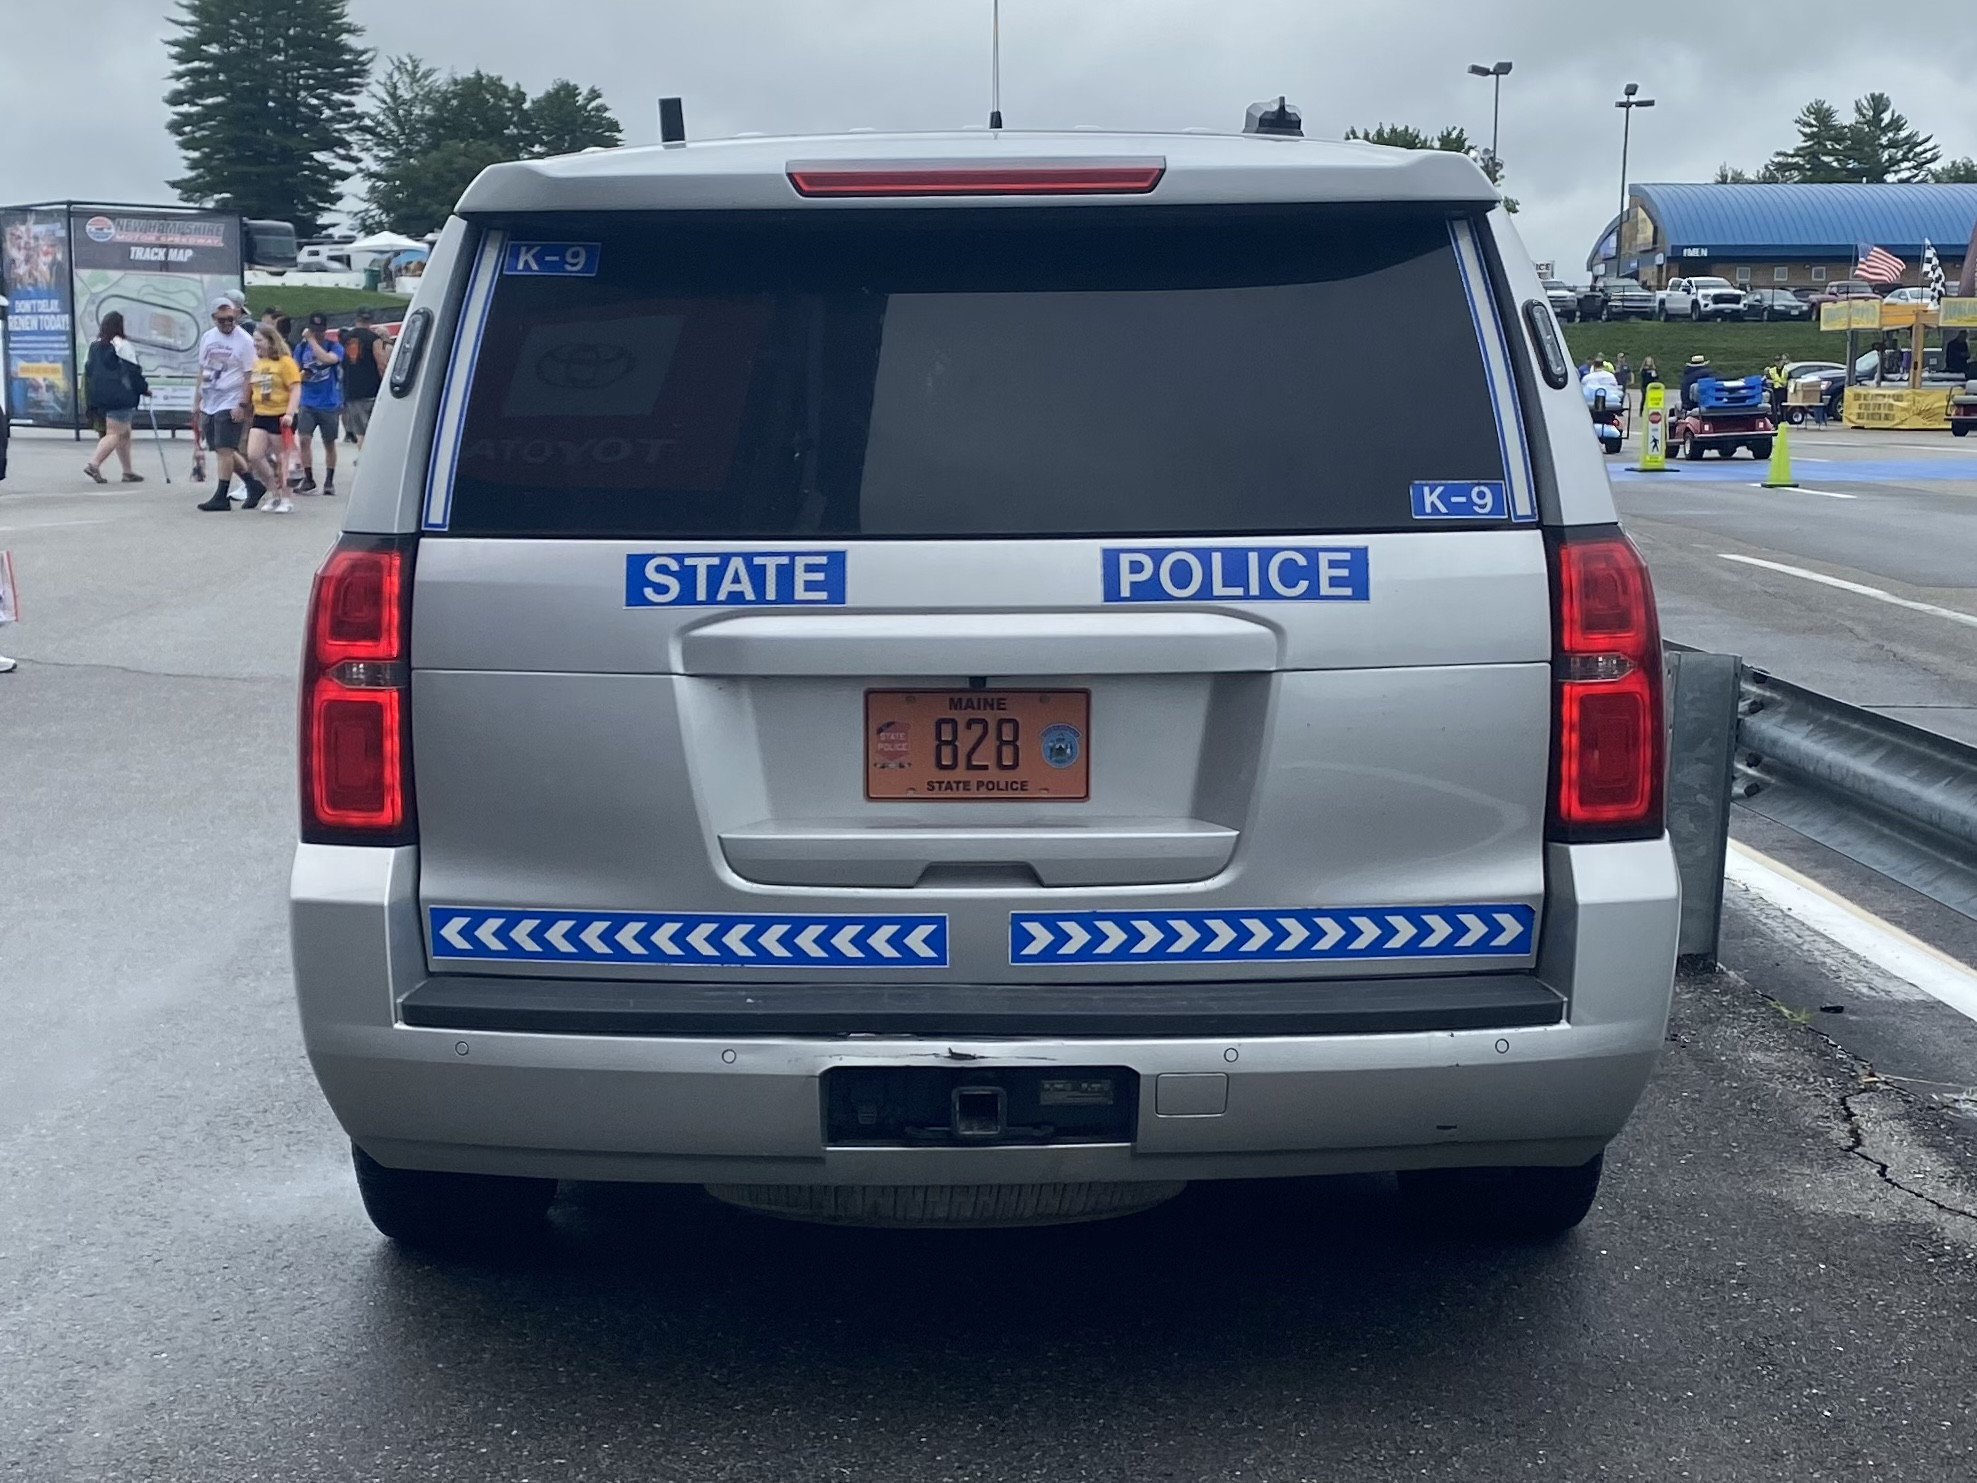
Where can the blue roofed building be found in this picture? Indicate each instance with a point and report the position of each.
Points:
(1783, 236)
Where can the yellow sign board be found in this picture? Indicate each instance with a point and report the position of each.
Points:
(1906, 316)
(1654, 431)
(1897, 407)
(1959, 314)
(1851, 314)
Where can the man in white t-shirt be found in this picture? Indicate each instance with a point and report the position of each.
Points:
(226, 363)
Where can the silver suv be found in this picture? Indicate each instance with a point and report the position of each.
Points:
(955, 678)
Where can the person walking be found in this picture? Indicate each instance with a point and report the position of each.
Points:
(226, 362)
(363, 376)
(1650, 376)
(115, 385)
(321, 360)
(276, 388)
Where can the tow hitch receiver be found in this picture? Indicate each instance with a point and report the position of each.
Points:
(922, 1106)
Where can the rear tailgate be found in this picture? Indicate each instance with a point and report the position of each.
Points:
(985, 597)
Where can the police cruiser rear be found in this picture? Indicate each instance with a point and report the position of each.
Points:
(941, 678)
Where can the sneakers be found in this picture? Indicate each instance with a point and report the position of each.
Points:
(133, 478)
(95, 473)
(219, 501)
(283, 505)
(308, 484)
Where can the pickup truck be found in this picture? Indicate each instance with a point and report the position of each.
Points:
(1616, 298)
(1564, 299)
(1699, 299)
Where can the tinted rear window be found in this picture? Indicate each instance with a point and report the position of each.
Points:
(1043, 372)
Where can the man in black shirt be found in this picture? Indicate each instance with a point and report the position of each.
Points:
(363, 374)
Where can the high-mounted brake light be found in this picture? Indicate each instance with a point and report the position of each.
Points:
(1133, 177)
(1608, 742)
(356, 716)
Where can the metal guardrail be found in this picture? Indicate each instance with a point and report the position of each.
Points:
(1898, 799)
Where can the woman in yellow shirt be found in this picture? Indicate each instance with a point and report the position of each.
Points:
(275, 385)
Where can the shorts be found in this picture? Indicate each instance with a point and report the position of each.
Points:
(269, 425)
(357, 415)
(309, 420)
(219, 430)
(119, 416)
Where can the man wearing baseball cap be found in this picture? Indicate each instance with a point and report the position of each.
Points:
(226, 361)
(321, 361)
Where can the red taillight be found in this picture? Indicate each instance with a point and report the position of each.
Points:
(969, 178)
(1608, 743)
(356, 723)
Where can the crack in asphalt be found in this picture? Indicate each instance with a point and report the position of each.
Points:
(1857, 1146)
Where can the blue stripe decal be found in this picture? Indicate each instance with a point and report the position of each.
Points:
(687, 939)
(1275, 936)
(460, 375)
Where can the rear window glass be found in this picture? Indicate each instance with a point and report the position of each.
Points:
(1034, 372)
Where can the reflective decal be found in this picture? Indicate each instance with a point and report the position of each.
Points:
(700, 939)
(1272, 935)
(734, 579)
(1236, 574)
(552, 259)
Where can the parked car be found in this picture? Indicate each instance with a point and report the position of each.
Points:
(792, 825)
(1910, 296)
(1698, 299)
(1617, 298)
(1849, 288)
(1564, 299)
(1775, 303)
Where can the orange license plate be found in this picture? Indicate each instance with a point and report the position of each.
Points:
(978, 745)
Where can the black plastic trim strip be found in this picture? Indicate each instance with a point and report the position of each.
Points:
(1381, 1006)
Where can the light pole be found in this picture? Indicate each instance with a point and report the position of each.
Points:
(1497, 73)
(1630, 99)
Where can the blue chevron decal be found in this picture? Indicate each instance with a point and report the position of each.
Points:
(1269, 935)
(687, 939)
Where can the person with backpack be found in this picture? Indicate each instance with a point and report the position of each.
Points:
(114, 385)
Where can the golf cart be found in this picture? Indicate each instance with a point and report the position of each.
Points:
(1726, 416)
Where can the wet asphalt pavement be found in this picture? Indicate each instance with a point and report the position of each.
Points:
(1779, 1281)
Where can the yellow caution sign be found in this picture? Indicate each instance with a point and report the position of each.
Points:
(1780, 476)
(1654, 431)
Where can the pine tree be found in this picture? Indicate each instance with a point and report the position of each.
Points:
(1452, 140)
(262, 96)
(563, 120)
(1882, 147)
(1823, 153)
(1956, 172)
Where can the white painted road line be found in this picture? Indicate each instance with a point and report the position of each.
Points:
(1801, 489)
(55, 524)
(1854, 928)
(1967, 619)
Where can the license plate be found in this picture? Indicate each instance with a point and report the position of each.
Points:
(964, 746)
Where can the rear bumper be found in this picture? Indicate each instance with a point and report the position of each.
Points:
(735, 1101)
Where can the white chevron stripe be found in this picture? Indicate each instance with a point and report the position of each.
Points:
(881, 941)
(1477, 927)
(736, 941)
(807, 940)
(663, 939)
(1113, 937)
(1041, 937)
(1512, 930)
(627, 938)
(1333, 932)
(1294, 933)
(916, 940)
(1075, 937)
(1149, 935)
(1438, 935)
(697, 940)
(1403, 931)
(487, 937)
(845, 940)
(451, 932)
(588, 937)
(520, 933)
(1259, 933)
(1185, 935)
(772, 939)
(1224, 935)
(555, 935)
(1369, 932)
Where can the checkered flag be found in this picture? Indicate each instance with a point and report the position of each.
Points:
(1932, 272)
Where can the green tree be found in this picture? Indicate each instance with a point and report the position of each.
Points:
(1824, 151)
(1881, 146)
(563, 119)
(1451, 141)
(1956, 172)
(260, 104)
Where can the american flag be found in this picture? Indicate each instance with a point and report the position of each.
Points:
(1932, 272)
(1878, 265)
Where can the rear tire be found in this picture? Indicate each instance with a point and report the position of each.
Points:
(424, 1208)
(1761, 450)
(1691, 449)
(1695, 314)
(1528, 1204)
(1661, 312)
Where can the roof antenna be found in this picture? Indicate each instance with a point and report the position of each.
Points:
(672, 121)
(1281, 119)
(995, 65)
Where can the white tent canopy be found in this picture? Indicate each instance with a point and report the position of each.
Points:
(383, 242)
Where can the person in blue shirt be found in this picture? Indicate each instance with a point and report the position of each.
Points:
(321, 363)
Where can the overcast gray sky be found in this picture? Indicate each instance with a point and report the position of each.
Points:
(79, 86)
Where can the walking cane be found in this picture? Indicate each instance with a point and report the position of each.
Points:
(157, 441)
